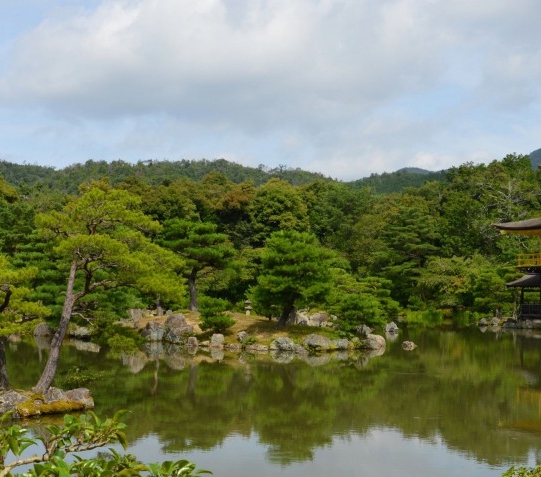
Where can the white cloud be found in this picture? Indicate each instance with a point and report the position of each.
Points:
(347, 87)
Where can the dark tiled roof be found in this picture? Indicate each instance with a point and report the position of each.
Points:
(530, 224)
(530, 280)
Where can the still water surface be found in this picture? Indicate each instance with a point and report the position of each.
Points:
(464, 403)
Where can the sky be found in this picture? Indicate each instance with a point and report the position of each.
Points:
(346, 88)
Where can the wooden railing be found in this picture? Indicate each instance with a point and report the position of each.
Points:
(529, 260)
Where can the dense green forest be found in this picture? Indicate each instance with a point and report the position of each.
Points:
(209, 235)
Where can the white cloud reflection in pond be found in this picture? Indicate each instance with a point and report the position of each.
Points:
(378, 453)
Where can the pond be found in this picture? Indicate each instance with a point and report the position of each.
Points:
(463, 403)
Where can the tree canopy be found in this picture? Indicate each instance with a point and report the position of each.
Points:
(102, 240)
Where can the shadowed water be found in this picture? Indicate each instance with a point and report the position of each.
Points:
(463, 403)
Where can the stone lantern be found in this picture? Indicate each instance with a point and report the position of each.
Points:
(248, 307)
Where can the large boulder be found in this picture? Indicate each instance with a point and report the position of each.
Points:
(177, 320)
(257, 348)
(217, 341)
(316, 342)
(319, 319)
(363, 330)
(153, 331)
(80, 332)
(55, 401)
(283, 344)
(177, 328)
(373, 342)
(177, 335)
(10, 399)
(192, 342)
(340, 344)
(81, 395)
(241, 336)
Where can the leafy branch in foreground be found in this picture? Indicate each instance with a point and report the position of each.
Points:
(78, 434)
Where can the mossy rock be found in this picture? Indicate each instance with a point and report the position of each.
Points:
(37, 406)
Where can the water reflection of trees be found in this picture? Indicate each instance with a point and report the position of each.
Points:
(467, 389)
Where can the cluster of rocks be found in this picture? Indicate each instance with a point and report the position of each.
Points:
(496, 323)
(175, 330)
(76, 332)
(24, 404)
(318, 319)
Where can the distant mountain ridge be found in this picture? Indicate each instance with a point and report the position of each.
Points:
(68, 179)
(414, 170)
(389, 182)
(535, 157)
(153, 172)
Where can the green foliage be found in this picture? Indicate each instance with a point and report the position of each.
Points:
(213, 316)
(523, 472)
(333, 211)
(103, 237)
(150, 172)
(355, 310)
(277, 206)
(106, 234)
(409, 236)
(294, 268)
(78, 434)
(107, 329)
(459, 282)
(361, 301)
(425, 317)
(430, 235)
(200, 245)
(15, 307)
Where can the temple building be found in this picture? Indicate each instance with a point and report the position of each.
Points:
(529, 285)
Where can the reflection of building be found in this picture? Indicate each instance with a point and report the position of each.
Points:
(530, 263)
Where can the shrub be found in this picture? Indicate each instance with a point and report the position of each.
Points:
(78, 434)
(523, 472)
(213, 315)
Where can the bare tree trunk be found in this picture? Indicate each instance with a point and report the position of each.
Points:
(193, 290)
(4, 381)
(49, 372)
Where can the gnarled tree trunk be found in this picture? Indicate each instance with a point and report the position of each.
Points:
(49, 372)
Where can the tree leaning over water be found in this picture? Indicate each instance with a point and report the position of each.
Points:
(102, 237)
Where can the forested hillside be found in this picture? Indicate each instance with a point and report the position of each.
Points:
(149, 172)
(388, 182)
(281, 238)
(156, 172)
